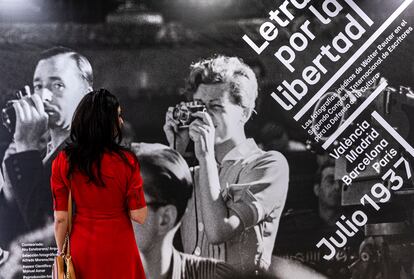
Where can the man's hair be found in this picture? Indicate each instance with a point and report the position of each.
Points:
(225, 70)
(168, 178)
(83, 64)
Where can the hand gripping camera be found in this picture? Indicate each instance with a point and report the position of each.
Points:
(8, 115)
(182, 112)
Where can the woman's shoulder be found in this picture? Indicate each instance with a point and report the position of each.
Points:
(60, 160)
(130, 155)
(124, 154)
(127, 151)
(60, 156)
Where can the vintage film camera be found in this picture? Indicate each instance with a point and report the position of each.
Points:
(182, 112)
(8, 115)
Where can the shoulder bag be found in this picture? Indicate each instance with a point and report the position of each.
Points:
(63, 265)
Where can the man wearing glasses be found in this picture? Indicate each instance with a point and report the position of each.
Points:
(168, 187)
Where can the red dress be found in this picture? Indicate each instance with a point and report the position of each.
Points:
(102, 240)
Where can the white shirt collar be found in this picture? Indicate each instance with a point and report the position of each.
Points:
(241, 150)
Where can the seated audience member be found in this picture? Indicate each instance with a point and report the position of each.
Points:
(240, 190)
(328, 192)
(167, 188)
(302, 230)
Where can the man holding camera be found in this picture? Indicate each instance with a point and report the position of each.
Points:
(61, 78)
(240, 190)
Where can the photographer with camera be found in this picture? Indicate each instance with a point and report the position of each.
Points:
(240, 190)
(61, 78)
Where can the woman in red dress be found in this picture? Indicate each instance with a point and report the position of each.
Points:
(106, 187)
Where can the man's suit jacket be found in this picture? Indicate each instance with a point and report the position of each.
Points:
(27, 175)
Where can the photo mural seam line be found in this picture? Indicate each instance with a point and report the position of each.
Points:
(354, 115)
(354, 57)
(393, 133)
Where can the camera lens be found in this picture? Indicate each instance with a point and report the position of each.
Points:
(176, 113)
(185, 115)
(8, 117)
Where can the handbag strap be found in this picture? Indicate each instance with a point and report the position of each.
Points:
(66, 244)
(70, 211)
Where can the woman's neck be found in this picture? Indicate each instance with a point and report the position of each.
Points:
(221, 149)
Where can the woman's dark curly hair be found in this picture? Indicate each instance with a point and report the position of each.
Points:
(95, 129)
